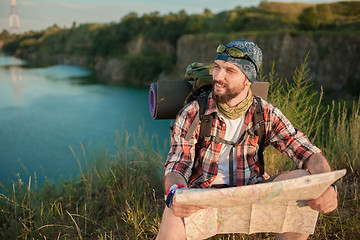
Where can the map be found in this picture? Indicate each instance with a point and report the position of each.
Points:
(268, 207)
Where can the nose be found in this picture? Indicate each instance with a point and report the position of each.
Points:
(218, 74)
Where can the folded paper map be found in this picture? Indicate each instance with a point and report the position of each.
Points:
(268, 207)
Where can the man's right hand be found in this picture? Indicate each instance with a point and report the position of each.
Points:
(182, 210)
(179, 210)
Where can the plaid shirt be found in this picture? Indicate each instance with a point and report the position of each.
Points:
(279, 132)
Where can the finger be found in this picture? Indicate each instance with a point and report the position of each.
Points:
(326, 203)
(195, 207)
(186, 208)
(322, 203)
(175, 203)
(327, 208)
(181, 210)
(328, 195)
(323, 206)
(330, 209)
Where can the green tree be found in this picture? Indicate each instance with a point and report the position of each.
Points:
(308, 19)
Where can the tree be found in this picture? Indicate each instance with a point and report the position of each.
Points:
(308, 19)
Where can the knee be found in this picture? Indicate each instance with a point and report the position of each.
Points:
(171, 227)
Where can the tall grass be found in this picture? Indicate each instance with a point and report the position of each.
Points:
(301, 106)
(119, 194)
(342, 139)
(334, 129)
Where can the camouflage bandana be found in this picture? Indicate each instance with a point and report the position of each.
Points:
(237, 111)
(247, 67)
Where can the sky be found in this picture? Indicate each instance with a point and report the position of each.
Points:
(41, 14)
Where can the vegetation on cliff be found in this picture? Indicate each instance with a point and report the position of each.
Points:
(150, 41)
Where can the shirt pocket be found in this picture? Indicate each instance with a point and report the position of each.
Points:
(206, 152)
(249, 149)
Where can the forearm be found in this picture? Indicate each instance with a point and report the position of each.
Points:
(172, 178)
(327, 201)
(317, 163)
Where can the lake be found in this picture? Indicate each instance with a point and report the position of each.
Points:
(44, 111)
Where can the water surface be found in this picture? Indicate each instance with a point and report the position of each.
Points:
(43, 111)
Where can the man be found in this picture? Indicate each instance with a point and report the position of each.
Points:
(235, 68)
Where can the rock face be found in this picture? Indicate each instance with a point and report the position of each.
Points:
(333, 60)
(108, 68)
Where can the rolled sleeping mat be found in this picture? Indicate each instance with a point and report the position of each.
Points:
(260, 89)
(166, 97)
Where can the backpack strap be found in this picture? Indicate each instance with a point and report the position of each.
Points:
(259, 128)
(204, 120)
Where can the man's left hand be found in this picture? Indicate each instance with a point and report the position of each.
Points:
(327, 202)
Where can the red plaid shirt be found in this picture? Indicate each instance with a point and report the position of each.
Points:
(280, 133)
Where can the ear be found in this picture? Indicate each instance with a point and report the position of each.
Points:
(247, 82)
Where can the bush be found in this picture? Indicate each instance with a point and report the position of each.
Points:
(144, 67)
(308, 20)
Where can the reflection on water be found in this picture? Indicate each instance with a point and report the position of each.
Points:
(16, 77)
(64, 71)
(43, 111)
(10, 61)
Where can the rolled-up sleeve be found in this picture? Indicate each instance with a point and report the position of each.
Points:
(287, 139)
(180, 158)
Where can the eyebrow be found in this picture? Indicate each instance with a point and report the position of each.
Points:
(226, 66)
(230, 68)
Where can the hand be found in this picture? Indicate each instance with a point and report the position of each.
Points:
(327, 202)
(183, 211)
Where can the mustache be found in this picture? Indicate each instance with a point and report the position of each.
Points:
(219, 82)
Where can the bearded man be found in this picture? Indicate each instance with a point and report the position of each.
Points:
(216, 165)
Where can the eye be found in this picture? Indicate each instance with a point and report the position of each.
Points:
(230, 70)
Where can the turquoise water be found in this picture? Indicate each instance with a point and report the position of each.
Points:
(43, 111)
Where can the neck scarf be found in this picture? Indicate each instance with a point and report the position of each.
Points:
(237, 111)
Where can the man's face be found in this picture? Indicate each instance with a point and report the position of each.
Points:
(230, 85)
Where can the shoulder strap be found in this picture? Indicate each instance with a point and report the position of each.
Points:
(204, 120)
(259, 129)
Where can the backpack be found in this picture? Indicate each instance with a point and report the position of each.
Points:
(199, 75)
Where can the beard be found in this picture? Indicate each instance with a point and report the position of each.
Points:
(229, 94)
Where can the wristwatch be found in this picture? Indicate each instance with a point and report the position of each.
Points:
(334, 186)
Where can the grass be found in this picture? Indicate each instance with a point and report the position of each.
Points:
(119, 195)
